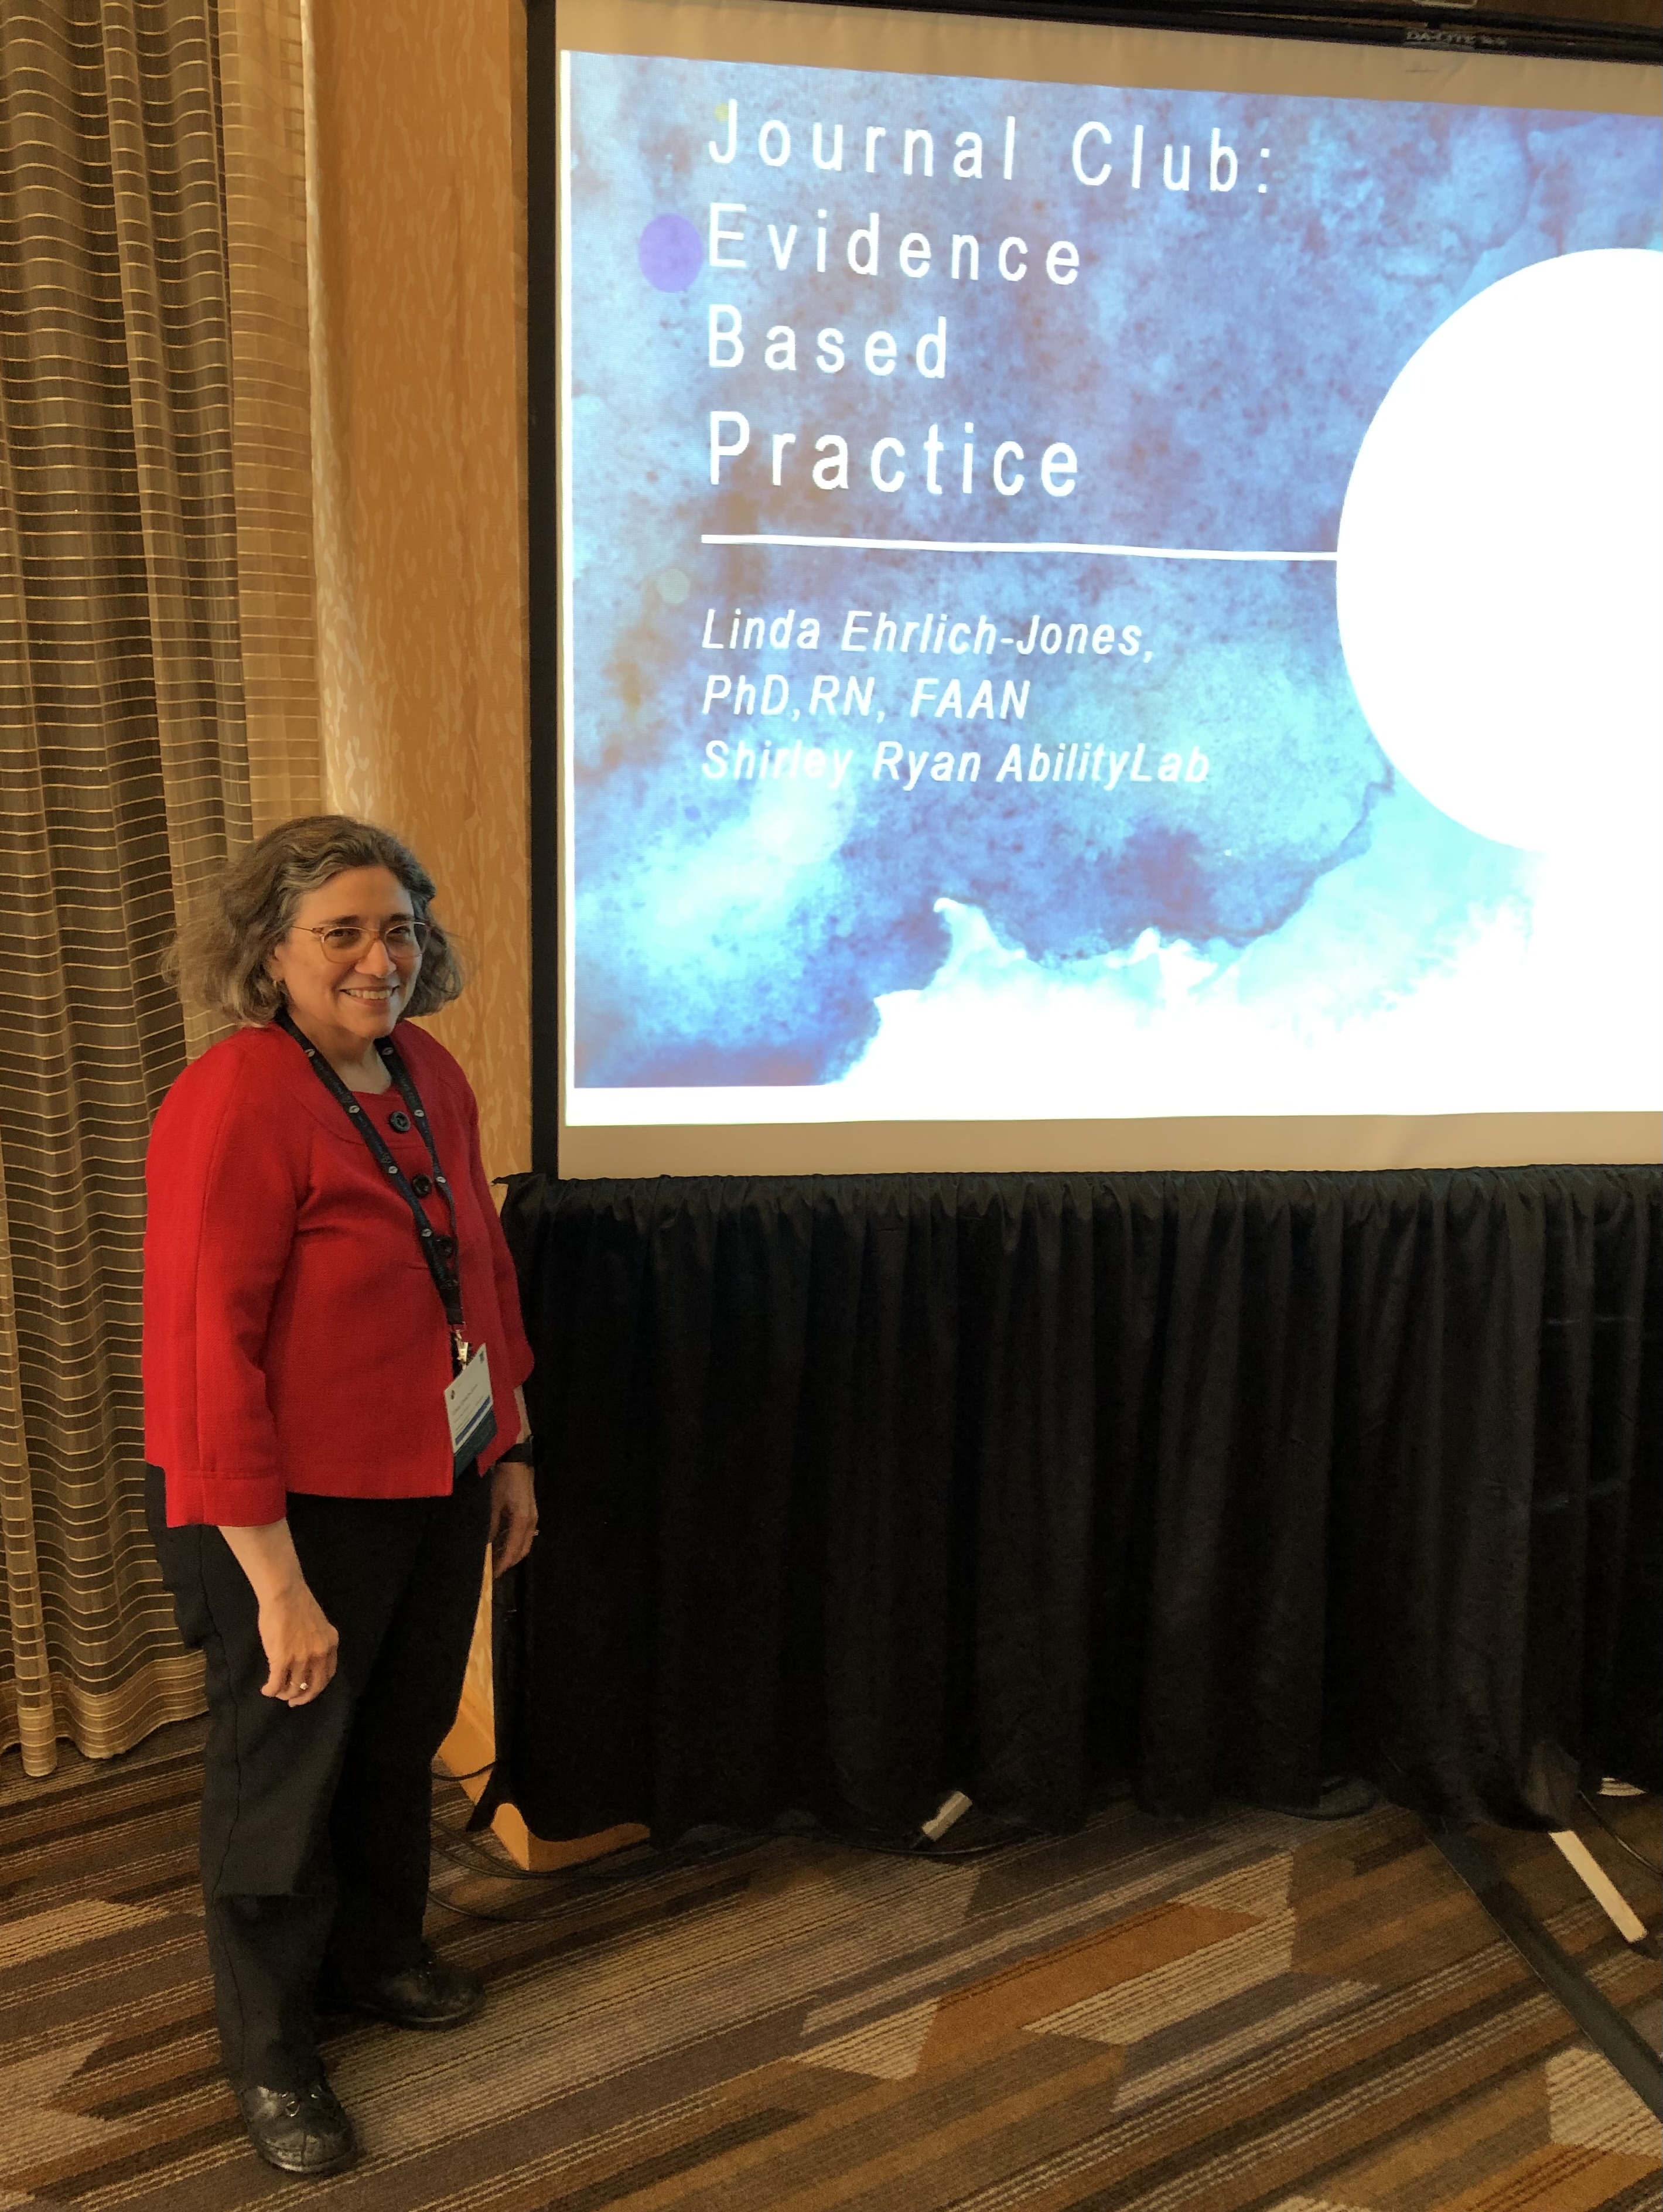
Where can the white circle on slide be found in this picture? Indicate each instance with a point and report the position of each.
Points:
(1500, 557)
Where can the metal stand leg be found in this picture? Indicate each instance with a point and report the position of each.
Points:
(1608, 2029)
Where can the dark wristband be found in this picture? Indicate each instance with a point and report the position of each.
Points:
(524, 1453)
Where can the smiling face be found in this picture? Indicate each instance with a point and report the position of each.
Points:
(344, 1004)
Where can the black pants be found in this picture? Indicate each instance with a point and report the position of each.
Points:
(315, 1819)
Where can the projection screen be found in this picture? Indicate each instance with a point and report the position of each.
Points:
(1108, 598)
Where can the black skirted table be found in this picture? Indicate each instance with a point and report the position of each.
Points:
(856, 1488)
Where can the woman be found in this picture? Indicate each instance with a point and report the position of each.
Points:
(331, 1330)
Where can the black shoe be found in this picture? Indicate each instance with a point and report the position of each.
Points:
(300, 2130)
(430, 1994)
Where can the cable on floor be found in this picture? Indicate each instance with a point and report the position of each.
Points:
(1339, 1797)
(914, 1844)
(1621, 1840)
(638, 1865)
(641, 1863)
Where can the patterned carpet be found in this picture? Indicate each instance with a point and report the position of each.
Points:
(1258, 2013)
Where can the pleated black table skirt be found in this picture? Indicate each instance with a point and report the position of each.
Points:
(855, 1489)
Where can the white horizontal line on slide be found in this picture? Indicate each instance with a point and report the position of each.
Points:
(998, 545)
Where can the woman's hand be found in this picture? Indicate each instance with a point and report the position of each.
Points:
(514, 1513)
(300, 1646)
(299, 1641)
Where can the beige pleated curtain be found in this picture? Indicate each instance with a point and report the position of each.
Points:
(168, 325)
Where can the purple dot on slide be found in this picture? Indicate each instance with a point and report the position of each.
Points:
(670, 252)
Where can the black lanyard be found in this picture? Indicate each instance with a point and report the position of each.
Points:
(439, 1252)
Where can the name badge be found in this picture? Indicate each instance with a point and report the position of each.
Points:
(469, 1410)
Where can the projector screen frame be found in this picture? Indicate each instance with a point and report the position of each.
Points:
(1243, 1142)
(1457, 25)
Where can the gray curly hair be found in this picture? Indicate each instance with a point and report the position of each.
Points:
(219, 957)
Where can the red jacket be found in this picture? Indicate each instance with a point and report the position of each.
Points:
(293, 1336)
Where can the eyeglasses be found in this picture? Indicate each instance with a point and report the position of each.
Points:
(349, 940)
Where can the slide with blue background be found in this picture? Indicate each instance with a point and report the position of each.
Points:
(1106, 602)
